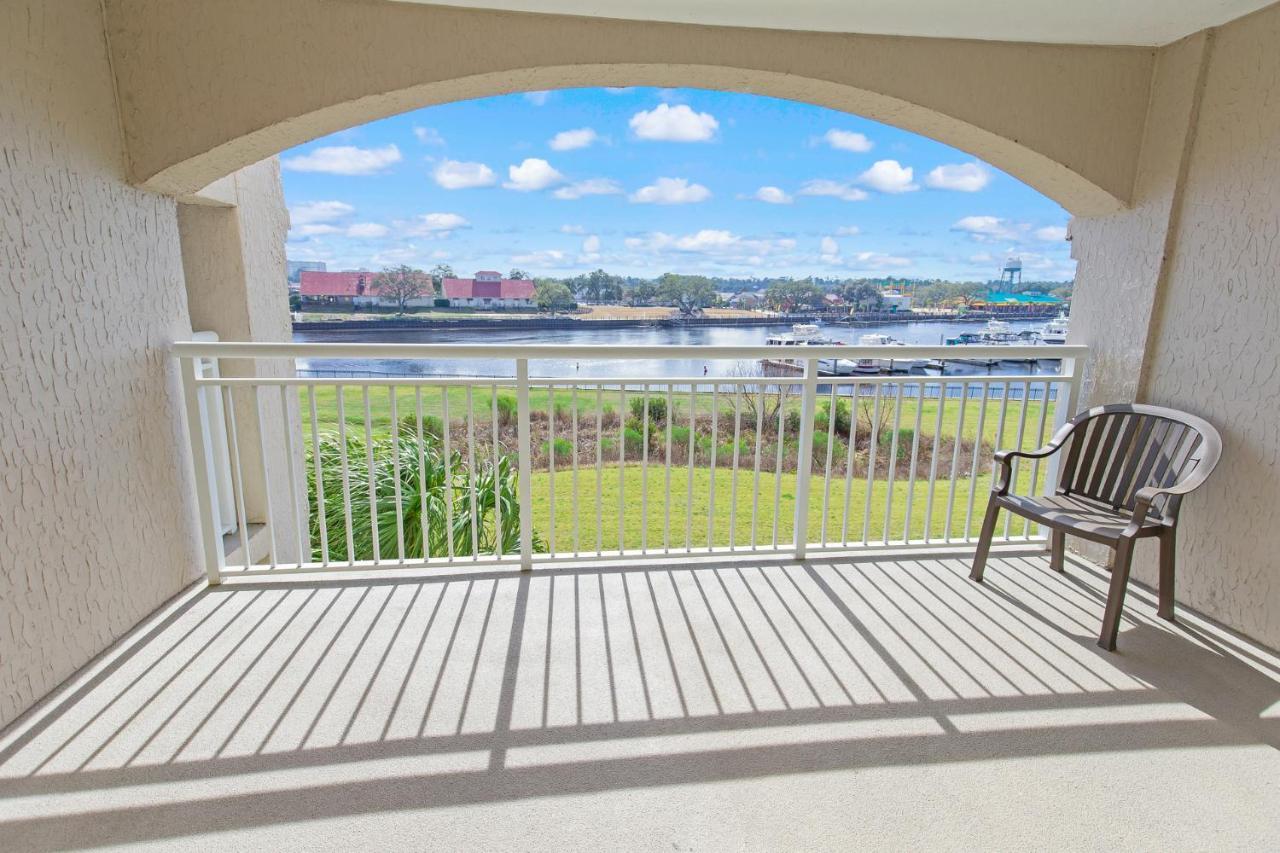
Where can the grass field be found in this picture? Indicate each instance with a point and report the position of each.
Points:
(643, 521)
(1036, 427)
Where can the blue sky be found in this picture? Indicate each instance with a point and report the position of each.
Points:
(643, 181)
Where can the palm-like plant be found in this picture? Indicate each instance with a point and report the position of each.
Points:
(425, 497)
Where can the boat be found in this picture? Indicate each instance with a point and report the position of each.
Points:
(1055, 331)
(806, 334)
(881, 364)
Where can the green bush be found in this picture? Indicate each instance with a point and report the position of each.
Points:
(680, 435)
(905, 436)
(432, 427)
(657, 409)
(634, 440)
(844, 415)
(507, 409)
(563, 449)
(425, 495)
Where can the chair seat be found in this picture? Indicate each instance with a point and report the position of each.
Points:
(1081, 516)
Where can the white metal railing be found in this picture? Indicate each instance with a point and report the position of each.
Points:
(365, 471)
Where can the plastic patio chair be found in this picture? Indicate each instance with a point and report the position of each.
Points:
(1123, 479)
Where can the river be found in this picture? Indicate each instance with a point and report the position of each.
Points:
(928, 334)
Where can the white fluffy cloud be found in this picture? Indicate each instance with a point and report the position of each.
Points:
(848, 231)
(772, 195)
(830, 249)
(591, 186)
(1052, 233)
(428, 136)
(568, 140)
(671, 191)
(987, 228)
(367, 230)
(714, 242)
(432, 224)
(676, 123)
(960, 177)
(847, 140)
(532, 174)
(542, 258)
(591, 244)
(878, 261)
(889, 176)
(459, 175)
(345, 160)
(310, 212)
(537, 98)
(835, 189)
(572, 229)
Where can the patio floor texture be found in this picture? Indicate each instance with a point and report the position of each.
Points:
(883, 701)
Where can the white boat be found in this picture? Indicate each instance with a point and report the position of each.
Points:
(882, 364)
(1055, 331)
(807, 334)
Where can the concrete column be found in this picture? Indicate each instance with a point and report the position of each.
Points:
(233, 237)
(1123, 258)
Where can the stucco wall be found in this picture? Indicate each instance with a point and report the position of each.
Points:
(96, 526)
(1215, 340)
(234, 261)
(304, 68)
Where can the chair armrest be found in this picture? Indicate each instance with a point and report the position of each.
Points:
(1005, 459)
(1144, 497)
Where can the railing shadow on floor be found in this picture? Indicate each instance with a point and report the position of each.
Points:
(262, 702)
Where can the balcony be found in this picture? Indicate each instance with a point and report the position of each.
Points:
(656, 705)
(674, 666)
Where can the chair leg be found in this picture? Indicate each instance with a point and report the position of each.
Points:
(984, 540)
(1115, 595)
(1057, 550)
(1168, 557)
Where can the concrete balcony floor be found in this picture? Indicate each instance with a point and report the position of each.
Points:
(877, 702)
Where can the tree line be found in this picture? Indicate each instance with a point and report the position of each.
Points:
(691, 293)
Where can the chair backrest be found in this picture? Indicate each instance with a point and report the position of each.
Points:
(1118, 449)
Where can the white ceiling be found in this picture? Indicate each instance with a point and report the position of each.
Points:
(1133, 22)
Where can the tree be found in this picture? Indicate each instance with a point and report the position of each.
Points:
(789, 295)
(518, 273)
(862, 296)
(439, 273)
(400, 284)
(597, 286)
(686, 292)
(553, 296)
(642, 293)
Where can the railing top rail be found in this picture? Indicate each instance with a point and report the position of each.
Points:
(605, 352)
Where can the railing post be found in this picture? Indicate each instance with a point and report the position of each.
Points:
(202, 461)
(526, 465)
(804, 461)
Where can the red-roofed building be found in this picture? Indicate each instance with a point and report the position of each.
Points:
(351, 287)
(489, 290)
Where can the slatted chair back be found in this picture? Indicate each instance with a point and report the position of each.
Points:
(1116, 450)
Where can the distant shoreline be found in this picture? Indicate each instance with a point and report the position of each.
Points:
(568, 323)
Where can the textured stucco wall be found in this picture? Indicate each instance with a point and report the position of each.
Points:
(1215, 340)
(234, 262)
(207, 88)
(96, 525)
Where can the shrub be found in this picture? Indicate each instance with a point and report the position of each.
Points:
(634, 440)
(441, 302)
(680, 435)
(432, 427)
(507, 410)
(657, 409)
(844, 414)
(563, 449)
(905, 436)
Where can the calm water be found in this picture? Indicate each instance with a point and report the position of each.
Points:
(927, 334)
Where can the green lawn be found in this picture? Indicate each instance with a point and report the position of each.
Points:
(1036, 426)
(693, 527)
